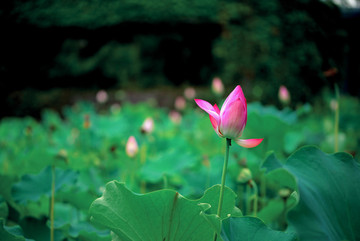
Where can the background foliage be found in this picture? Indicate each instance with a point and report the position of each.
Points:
(107, 44)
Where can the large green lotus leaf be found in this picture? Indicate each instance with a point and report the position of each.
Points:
(13, 233)
(275, 211)
(329, 194)
(78, 198)
(154, 170)
(262, 121)
(211, 196)
(85, 231)
(38, 230)
(251, 229)
(159, 215)
(277, 179)
(32, 187)
(4, 210)
(73, 223)
(293, 139)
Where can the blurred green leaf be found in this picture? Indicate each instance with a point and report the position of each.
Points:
(13, 233)
(251, 229)
(4, 210)
(32, 187)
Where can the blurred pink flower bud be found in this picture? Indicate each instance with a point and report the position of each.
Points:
(180, 103)
(189, 93)
(147, 126)
(217, 86)
(284, 95)
(132, 147)
(230, 121)
(102, 96)
(175, 117)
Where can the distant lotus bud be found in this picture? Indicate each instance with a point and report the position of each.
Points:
(334, 105)
(180, 103)
(175, 117)
(147, 126)
(189, 93)
(115, 108)
(217, 86)
(284, 193)
(244, 175)
(62, 155)
(102, 96)
(132, 147)
(284, 95)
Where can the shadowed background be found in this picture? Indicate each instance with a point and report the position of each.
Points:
(53, 52)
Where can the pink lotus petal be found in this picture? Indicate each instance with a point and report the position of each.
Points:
(234, 95)
(216, 108)
(213, 122)
(248, 143)
(206, 106)
(233, 119)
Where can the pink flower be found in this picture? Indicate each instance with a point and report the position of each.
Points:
(102, 96)
(190, 93)
(217, 86)
(147, 126)
(180, 103)
(230, 121)
(175, 117)
(132, 147)
(284, 95)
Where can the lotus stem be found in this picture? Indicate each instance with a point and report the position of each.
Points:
(336, 129)
(52, 203)
(223, 178)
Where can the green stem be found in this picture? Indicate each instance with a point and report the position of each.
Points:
(336, 129)
(52, 204)
(223, 177)
(283, 216)
(143, 152)
(165, 179)
(245, 196)
(228, 144)
(255, 196)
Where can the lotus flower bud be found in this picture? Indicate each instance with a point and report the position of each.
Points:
(102, 96)
(132, 147)
(244, 175)
(334, 104)
(284, 193)
(180, 103)
(284, 95)
(230, 121)
(217, 86)
(147, 126)
(189, 93)
(175, 117)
